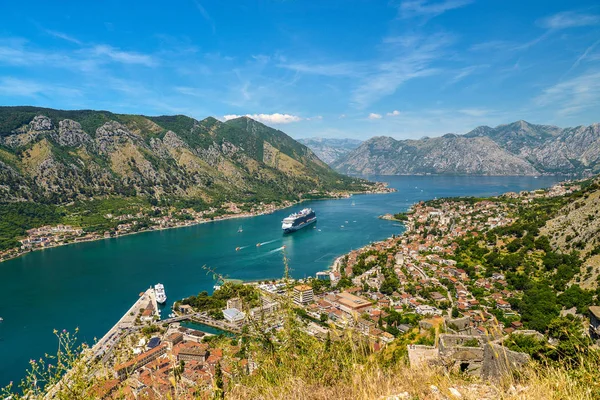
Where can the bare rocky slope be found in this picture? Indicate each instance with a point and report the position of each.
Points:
(57, 156)
(330, 150)
(519, 148)
(577, 227)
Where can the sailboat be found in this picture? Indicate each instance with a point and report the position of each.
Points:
(240, 230)
(353, 203)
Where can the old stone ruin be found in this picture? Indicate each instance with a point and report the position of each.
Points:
(476, 355)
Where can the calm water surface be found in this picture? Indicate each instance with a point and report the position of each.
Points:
(90, 285)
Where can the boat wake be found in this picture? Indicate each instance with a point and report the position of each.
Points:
(276, 250)
(263, 243)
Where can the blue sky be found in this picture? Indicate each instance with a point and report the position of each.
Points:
(332, 68)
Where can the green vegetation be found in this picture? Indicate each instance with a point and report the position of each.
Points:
(213, 304)
(570, 343)
(17, 218)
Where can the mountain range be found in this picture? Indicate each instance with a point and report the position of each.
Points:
(519, 148)
(330, 150)
(58, 156)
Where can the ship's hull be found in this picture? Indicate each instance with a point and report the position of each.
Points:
(300, 226)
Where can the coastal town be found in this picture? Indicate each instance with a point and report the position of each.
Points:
(416, 293)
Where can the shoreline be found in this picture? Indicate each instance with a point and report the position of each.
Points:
(222, 218)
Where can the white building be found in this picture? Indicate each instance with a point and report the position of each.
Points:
(234, 316)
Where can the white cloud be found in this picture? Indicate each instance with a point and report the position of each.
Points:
(62, 36)
(411, 58)
(124, 57)
(585, 55)
(275, 118)
(417, 8)
(572, 96)
(375, 116)
(205, 15)
(569, 19)
(465, 72)
(26, 88)
(394, 113)
(343, 69)
(474, 112)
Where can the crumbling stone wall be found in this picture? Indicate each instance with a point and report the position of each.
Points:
(456, 356)
(499, 361)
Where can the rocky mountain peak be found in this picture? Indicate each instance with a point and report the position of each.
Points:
(41, 123)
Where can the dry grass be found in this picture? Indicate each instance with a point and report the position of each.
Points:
(400, 381)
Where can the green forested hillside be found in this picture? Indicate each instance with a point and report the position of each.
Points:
(56, 156)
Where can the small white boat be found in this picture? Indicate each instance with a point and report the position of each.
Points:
(240, 230)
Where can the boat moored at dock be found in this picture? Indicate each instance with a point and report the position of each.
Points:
(159, 292)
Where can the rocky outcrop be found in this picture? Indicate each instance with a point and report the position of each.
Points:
(519, 148)
(71, 134)
(113, 134)
(40, 125)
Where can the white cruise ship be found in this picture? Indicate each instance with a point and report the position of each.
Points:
(159, 291)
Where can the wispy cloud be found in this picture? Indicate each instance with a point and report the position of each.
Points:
(343, 69)
(10, 86)
(410, 59)
(125, 57)
(569, 19)
(429, 9)
(475, 112)
(585, 55)
(375, 116)
(394, 113)
(63, 36)
(466, 72)
(275, 118)
(15, 52)
(205, 15)
(572, 96)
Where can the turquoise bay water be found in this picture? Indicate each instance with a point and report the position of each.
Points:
(90, 285)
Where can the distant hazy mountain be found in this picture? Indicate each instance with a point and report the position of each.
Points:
(330, 150)
(519, 148)
(57, 156)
